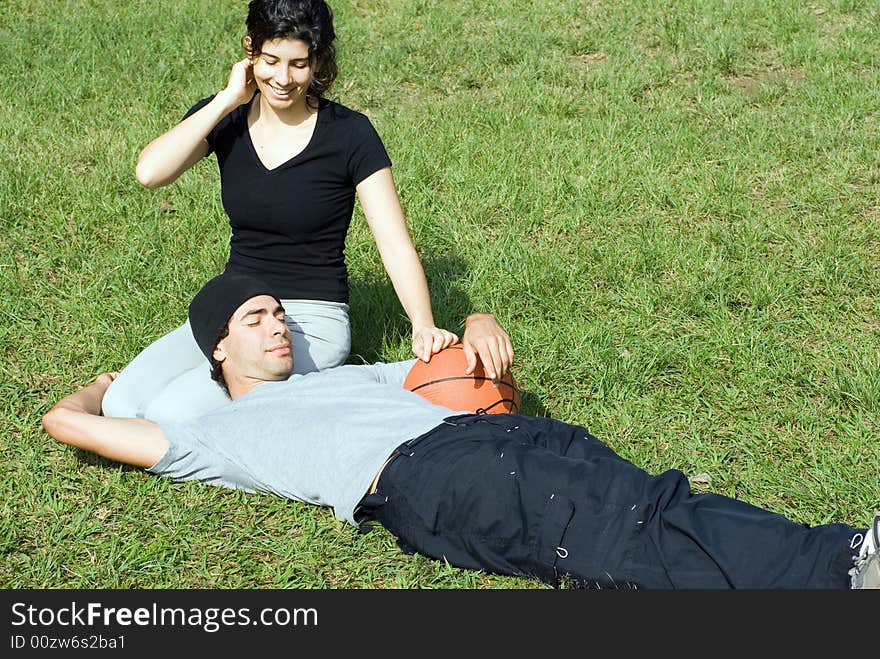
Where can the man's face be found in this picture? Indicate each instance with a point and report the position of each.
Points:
(258, 346)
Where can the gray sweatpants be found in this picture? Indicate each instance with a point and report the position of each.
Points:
(170, 380)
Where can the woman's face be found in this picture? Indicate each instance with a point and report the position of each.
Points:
(282, 72)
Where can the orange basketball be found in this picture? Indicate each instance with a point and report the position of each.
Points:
(443, 381)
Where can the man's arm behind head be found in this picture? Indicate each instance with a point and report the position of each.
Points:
(76, 420)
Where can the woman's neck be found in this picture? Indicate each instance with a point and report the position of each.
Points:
(295, 115)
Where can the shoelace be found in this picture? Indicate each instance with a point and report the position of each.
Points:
(859, 562)
(869, 542)
(868, 549)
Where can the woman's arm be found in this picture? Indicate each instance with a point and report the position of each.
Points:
(76, 420)
(173, 152)
(378, 198)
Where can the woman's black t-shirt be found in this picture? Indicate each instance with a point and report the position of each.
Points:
(289, 223)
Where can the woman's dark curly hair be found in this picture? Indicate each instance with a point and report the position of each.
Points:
(308, 20)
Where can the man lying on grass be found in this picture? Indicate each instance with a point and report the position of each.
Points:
(504, 493)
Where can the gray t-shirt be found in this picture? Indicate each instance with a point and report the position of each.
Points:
(320, 437)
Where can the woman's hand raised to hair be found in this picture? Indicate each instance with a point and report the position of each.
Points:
(241, 86)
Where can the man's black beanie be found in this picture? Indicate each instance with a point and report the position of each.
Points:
(213, 306)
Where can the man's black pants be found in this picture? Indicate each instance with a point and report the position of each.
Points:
(537, 497)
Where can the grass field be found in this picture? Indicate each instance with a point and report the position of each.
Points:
(671, 206)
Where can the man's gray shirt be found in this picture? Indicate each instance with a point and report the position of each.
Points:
(320, 437)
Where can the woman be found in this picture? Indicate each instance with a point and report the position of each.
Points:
(291, 163)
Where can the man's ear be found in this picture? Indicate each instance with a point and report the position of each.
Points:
(246, 44)
(219, 354)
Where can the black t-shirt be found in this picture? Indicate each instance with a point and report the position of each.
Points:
(289, 223)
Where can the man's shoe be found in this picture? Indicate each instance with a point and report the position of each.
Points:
(866, 571)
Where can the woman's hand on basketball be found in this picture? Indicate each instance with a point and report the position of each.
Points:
(241, 86)
(485, 339)
(428, 340)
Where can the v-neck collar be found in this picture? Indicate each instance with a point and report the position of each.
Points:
(292, 159)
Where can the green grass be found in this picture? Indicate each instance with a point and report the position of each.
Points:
(672, 207)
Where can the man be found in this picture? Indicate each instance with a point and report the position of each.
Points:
(504, 493)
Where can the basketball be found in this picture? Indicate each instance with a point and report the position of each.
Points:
(442, 381)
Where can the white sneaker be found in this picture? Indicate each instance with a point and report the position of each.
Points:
(866, 570)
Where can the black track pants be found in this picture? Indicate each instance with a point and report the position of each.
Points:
(537, 497)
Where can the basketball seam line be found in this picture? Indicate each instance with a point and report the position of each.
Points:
(484, 410)
(459, 377)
